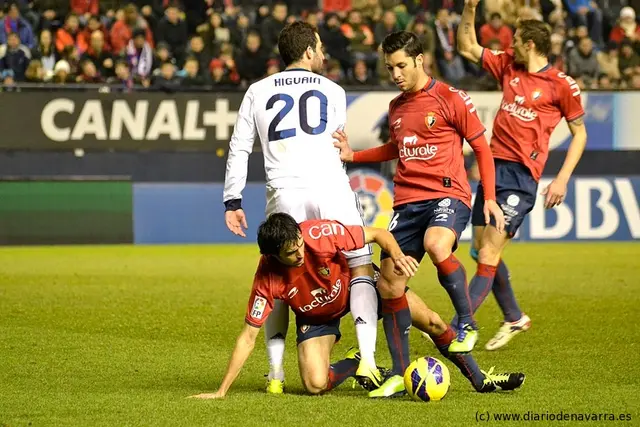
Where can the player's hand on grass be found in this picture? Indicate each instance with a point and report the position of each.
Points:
(342, 142)
(491, 209)
(405, 265)
(208, 396)
(236, 220)
(554, 193)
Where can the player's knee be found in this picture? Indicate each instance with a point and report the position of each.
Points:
(391, 287)
(316, 383)
(489, 253)
(437, 249)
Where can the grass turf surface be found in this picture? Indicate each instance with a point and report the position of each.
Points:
(120, 335)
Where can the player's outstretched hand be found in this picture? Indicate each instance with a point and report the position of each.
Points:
(208, 396)
(406, 265)
(491, 209)
(235, 221)
(554, 193)
(342, 143)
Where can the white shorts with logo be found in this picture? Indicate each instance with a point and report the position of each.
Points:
(313, 203)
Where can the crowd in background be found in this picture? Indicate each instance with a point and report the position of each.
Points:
(175, 45)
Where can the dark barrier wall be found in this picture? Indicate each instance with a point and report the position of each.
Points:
(65, 212)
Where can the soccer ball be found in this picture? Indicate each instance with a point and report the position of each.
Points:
(427, 379)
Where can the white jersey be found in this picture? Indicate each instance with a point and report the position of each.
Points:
(294, 113)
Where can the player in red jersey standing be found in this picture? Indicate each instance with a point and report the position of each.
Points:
(535, 98)
(432, 197)
(304, 265)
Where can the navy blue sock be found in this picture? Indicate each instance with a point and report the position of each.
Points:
(503, 292)
(454, 280)
(479, 287)
(340, 371)
(396, 320)
(465, 362)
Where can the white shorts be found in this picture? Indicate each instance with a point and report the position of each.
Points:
(311, 203)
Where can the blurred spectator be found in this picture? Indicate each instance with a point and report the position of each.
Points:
(227, 58)
(361, 39)
(166, 81)
(587, 13)
(608, 61)
(85, 9)
(190, 74)
(627, 27)
(329, 6)
(122, 30)
(388, 25)
(628, 61)
(220, 76)
(271, 27)
(335, 42)
(495, 29)
(214, 33)
(252, 61)
(273, 67)
(583, 63)
(96, 53)
(368, 10)
(240, 30)
(62, 72)
(334, 71)
(70, 54)
(196, 50)
(94, 24)
(635, 82)
(424, 33)
(14, 23)
(556, 56)
(14, 56)
(52, 13)
(46, 52)
(506, 9)
(88, 73)
(69, 35)
(605, 82)
(449, 62)
(35, 72)
(123, 75)
(161, 54)
(360, 75)
(140, 55)
(173, 31)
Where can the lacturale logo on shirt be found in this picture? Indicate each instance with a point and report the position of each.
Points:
(413, 150)
(322, 298)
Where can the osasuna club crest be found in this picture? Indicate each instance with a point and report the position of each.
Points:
(430, 120)
(324, 271)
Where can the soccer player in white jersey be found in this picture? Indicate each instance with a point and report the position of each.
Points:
(294, 113)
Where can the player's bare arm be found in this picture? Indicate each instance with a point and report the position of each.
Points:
(405, 264)
(467, 42)
(555, 192)
(244, 346)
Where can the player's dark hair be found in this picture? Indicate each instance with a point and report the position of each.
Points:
(279, 230)
(294, 39)
(402, 40)
(538, 32)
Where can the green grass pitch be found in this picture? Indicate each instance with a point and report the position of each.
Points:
(121, 335)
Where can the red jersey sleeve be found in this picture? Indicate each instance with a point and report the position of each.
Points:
(496, 61)
(261, 300)
(463, 115)
(329, 237)
(570, 102)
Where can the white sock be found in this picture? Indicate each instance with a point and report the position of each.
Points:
(364, 309)
(275, 332)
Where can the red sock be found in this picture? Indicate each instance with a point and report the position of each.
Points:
(444, 339)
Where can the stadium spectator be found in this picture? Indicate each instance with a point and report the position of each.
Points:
(52, 13)
(15, 57)
(628, 61)
(583, 62)
(495, 29)
(627, 27)
(99, 56)
(85, 9)
(69, 35)
(123, 76)
(35, 72)
(140, 55)
(45, 52)
(62, 72)
(252, 60)
(196, 50)
(556, 57)
(214, 33)
(190, 73)
(240, 29)
(449, 62)
(361, 39)
(220, 75)
(336, 44)
(166, 80)
(14, 23)
(388, 25)
(173, 31)
(94, 24)
(88, 73)
(122, 30)
(271, 27)
(587, 13)
(360, 75)
(608, 61)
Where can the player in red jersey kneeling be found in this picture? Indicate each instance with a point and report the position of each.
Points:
(304, 265)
